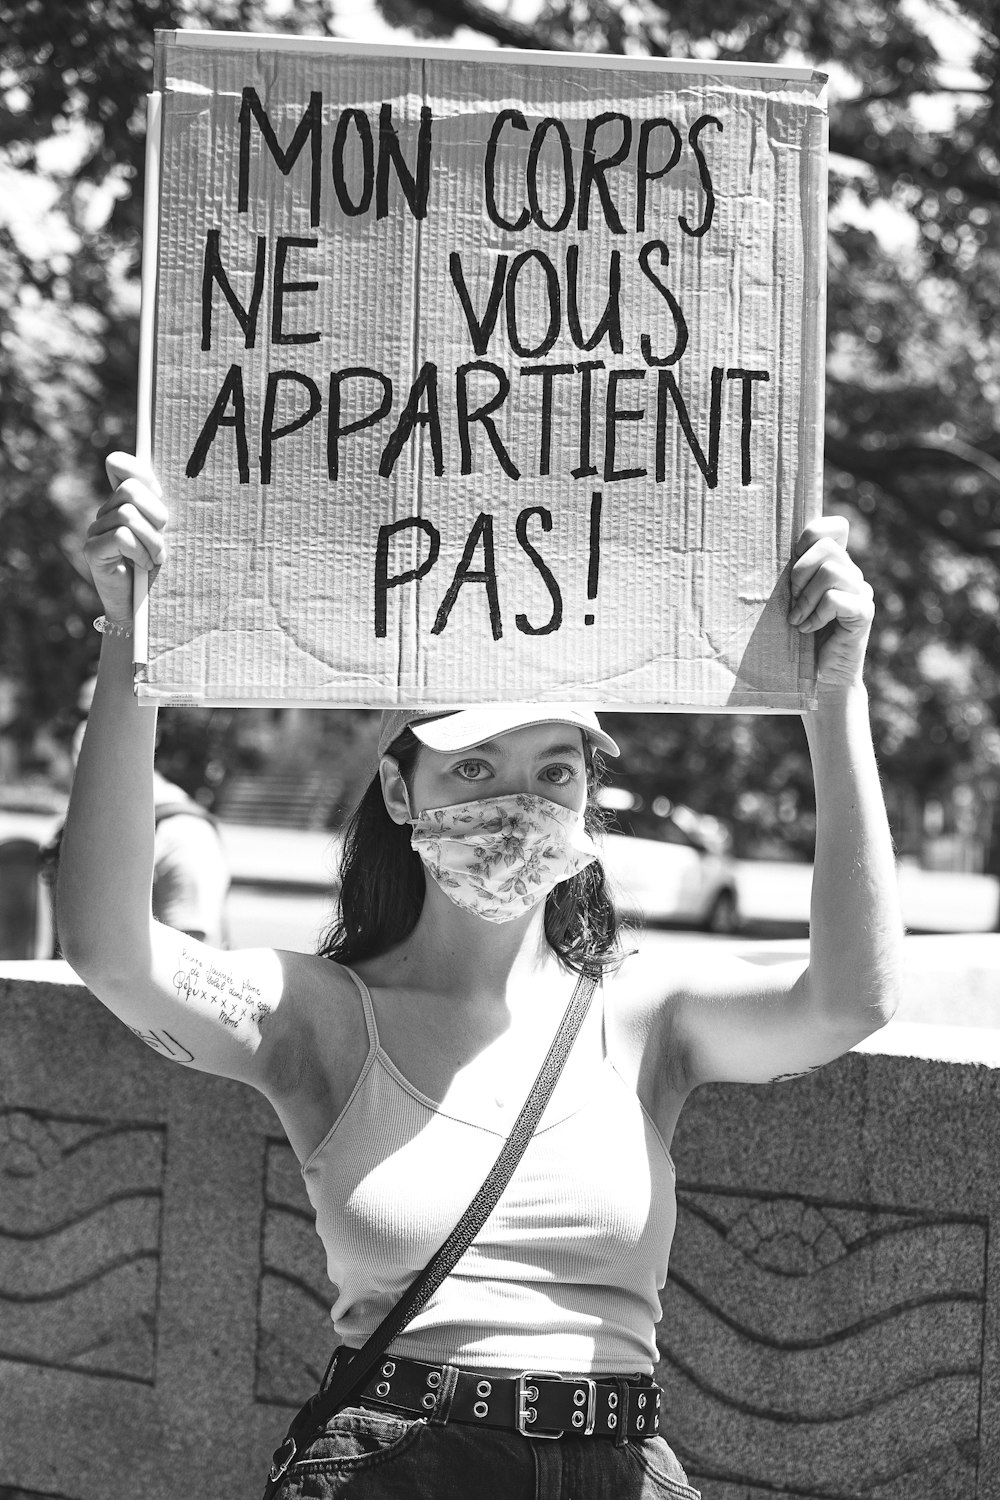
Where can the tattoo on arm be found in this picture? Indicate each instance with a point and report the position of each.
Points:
(236, 1000)
(164, 1043)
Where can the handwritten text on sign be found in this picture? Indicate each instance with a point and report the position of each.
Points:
(529, 343)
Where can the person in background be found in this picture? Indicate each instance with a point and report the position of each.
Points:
(190, 870)
(472, 905)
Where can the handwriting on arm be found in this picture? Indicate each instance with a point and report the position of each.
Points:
(235, 999)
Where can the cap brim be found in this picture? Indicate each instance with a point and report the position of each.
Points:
(472, 726)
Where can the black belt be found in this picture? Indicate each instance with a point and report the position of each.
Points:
(537, 1403)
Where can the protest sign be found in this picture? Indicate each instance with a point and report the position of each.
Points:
(482, 376)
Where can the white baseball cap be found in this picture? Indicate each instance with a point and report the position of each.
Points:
(463, 728)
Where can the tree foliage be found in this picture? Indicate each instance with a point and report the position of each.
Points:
(913, 451)
(73, 81)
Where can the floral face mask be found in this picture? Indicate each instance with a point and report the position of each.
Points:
(500, 856)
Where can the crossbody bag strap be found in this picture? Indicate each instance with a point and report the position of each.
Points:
(348, 1378)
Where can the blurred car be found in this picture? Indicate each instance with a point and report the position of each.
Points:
(684, 875)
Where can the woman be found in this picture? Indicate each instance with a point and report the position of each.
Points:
(398, 1068)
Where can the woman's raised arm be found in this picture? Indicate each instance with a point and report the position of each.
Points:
(737, 1022)
(211, 1010)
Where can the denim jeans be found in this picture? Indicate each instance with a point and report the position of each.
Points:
(363, 1454)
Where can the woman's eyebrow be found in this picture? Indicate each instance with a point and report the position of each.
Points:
(565, 747)
(497, 747)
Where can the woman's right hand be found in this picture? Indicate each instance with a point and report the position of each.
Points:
(127, 533)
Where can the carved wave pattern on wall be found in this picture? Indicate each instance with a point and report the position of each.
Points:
(80, 1213)
(295, 1337)
(840, 1347)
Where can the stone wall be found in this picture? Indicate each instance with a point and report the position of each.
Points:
(830, 1323)
(830, 1326)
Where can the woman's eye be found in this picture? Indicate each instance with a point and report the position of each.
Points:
(471, 770)
(558, 775)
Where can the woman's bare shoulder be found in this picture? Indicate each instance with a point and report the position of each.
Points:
(668, 979)
(316, 1049)
(645, 985)
(641, 1004)
(319, 1016)
(309, 977)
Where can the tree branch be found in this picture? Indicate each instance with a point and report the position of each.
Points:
(883, 467)
(976, 185)
(907, 88)
(479, 17)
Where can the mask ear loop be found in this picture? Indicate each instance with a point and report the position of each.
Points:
(406, 795)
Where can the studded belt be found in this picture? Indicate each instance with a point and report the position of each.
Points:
(537, 1403)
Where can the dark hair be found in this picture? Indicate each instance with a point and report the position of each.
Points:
(382, 884)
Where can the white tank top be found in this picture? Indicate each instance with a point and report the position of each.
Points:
(566, 1272)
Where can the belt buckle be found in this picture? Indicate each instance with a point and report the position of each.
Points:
(527, 1395)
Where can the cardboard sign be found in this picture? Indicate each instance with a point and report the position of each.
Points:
(483, 376)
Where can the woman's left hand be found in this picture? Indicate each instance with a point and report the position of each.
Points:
(830, 597)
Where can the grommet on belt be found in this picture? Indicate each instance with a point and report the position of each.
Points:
(621, 1433)
(481, 1408)
(429, 1401)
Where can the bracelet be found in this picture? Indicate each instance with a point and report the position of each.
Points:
(104, 626)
